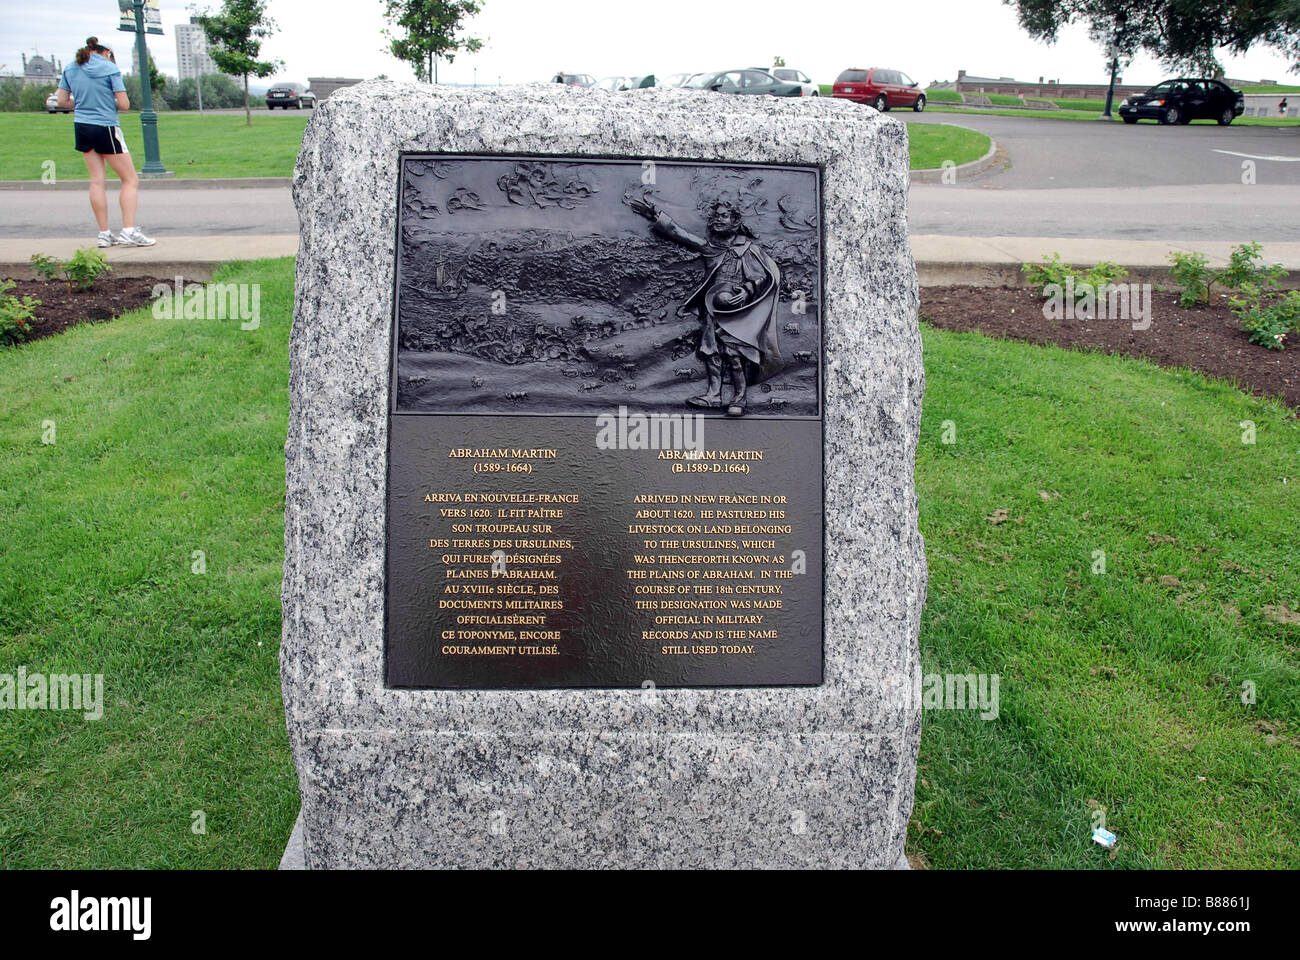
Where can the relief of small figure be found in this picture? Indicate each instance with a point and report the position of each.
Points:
(736, 304)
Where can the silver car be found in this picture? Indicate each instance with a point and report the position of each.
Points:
(52, 104)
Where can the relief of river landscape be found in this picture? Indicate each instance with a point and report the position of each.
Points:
(535, 286)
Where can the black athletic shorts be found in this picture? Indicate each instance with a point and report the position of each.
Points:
(91, 136)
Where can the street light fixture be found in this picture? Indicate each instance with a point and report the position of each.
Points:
(153, 166)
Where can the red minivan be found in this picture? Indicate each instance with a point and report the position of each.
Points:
(882, 89)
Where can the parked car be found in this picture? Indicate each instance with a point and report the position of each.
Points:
(883, 89)
(286, 95)
(789, 75)
(675, 80)
(744, 82)
(574, 79)
(612, 83)
(1184, 100)
(52, 104)
(640, 83)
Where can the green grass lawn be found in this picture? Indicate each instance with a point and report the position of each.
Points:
(222, 146)
(931, 144)
(213, 145)
(1117, 689)
(169, 439)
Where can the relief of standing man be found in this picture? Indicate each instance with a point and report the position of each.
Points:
(736, 303)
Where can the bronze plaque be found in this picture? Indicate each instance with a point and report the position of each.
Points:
(605, 438)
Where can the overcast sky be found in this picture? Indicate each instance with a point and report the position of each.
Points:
(532, 39)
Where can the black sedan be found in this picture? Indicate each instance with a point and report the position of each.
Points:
(1184, 100)
(744, 81)
(286, 95)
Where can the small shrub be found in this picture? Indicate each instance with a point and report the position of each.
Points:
(1052, 272)
(47, 268)
(1192, 271)
(1244, 268)
(86, 266)
(16, 315)
(1265, 316)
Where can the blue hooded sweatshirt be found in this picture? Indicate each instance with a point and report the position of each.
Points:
(93, 85)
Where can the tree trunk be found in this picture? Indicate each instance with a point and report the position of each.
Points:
(248, 111)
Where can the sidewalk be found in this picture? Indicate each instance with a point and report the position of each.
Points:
(940, 260)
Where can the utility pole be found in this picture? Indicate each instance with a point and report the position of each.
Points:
(153, 166)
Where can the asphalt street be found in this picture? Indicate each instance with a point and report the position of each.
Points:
(1061, 179)
(1047, 154)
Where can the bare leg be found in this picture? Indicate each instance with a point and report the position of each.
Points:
(125, 170)
(98, 191)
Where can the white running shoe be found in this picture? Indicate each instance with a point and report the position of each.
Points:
(106, 238)
(134, 237)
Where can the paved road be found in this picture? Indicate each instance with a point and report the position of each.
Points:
(1047, 154)
(163, 212)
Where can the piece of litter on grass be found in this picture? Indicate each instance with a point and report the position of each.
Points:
(1104, 837)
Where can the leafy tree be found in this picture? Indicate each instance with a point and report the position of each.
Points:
(235, 36)
(33, 98)
(11, 89)
(219, 92)
(429, 32)
(157, 81)
(1180, 33)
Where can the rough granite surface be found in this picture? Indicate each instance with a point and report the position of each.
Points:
(776, 777)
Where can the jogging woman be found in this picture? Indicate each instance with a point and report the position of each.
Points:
(94, 85)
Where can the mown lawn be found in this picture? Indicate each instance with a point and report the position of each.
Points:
(931, 144)
(220, 145)
(1120, 690)
(211, 145)
(169, 438)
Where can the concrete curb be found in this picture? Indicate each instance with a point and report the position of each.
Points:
(169, 183)
(975, 167)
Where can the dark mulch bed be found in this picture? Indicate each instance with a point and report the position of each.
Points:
(1202, 338)
(62, 308)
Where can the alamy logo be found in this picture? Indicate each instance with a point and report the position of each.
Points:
(1103, 301)
(962, 691)
(209, 301)
(76, 913)
(655, 431)
(57, 691)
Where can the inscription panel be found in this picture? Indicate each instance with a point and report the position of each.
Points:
(605, 444)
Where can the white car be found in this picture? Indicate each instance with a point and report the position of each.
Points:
(52, 104)
(810, 89)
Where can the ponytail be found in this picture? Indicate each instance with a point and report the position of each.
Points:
(92, 46)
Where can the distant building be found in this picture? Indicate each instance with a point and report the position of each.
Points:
(41, 71)
(324, 86)
(1052, 89)
(192, 55)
